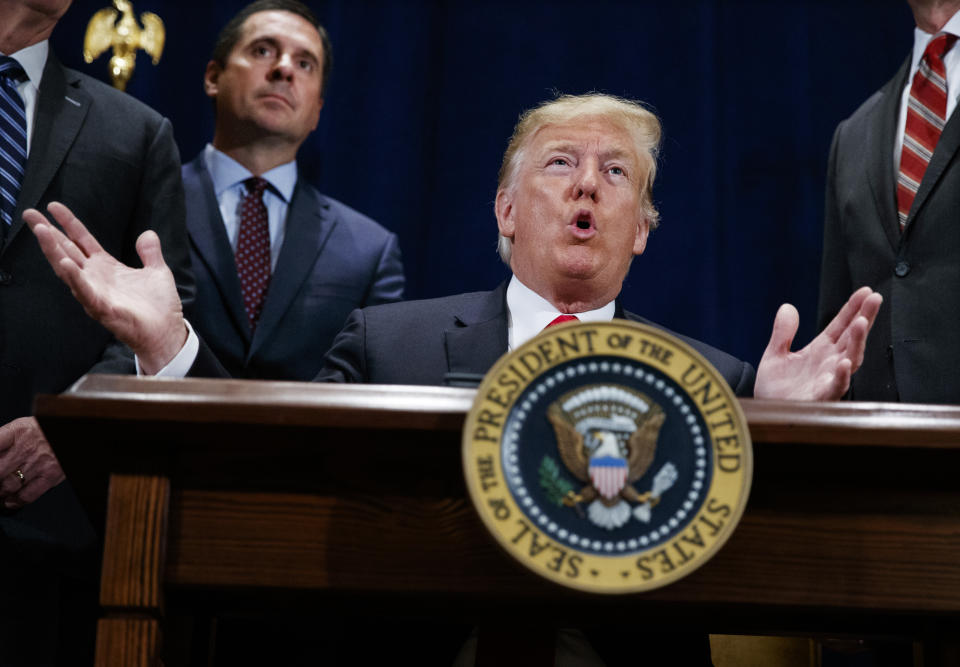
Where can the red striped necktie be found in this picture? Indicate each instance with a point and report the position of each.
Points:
(926, 116)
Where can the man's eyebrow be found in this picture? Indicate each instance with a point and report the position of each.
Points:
(306, 53)
(275, 43)
(561, 147)
(268, 39)
(616, 154)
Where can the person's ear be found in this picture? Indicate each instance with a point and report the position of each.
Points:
(211, 77)
(505, 215)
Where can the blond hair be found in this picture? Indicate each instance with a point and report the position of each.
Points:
(643, 125)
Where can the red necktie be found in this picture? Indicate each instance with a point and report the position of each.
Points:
(926, 116)
(560, 319)
(253, 249)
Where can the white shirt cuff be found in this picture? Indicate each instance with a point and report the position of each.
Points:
(180, 364)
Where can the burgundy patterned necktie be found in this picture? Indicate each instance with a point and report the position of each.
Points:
(926, 116)
(253, 249)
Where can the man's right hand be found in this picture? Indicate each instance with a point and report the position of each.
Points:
(140, 307)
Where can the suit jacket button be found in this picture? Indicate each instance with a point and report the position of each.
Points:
(901, 269)
(5, 278)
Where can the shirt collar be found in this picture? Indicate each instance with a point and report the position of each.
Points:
(529, 313)
(32, 59)
(921, 38)
(225, 172)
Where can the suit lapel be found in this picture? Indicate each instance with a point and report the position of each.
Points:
(209, 237)
(942, 156)
(479, 336)
(308, 226)
(880, 155)
(61, 107)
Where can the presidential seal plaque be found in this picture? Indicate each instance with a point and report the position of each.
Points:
(608, 457)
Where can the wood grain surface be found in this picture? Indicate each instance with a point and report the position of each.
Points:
(853, 520)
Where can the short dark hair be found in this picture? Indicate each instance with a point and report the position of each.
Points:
(230, 35)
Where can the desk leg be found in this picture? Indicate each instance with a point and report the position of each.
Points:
(128, 641)
(134, 552)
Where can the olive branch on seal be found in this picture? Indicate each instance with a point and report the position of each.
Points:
(556, 487)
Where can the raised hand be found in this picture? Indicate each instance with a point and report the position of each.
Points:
(820, 371)
(140, 307)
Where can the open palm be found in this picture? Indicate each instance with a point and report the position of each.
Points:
(820, 371)
(139, 305)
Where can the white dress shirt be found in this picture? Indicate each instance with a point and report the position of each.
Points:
(32, 59)
(528, 313)
(951, 61)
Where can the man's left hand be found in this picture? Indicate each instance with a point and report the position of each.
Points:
(821, 371)
(28, 467)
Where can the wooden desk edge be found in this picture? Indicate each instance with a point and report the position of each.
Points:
(115, 397)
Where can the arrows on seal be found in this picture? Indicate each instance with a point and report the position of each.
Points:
(663, 480)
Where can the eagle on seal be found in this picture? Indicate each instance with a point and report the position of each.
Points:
(608, 474)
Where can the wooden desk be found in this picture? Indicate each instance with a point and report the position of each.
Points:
(853, 524)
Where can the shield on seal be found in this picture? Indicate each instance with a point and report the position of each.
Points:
(608, 474)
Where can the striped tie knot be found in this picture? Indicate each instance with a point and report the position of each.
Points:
(11, 69)
(938, 46)
(926, 117)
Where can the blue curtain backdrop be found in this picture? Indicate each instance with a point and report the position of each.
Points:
(424, 95)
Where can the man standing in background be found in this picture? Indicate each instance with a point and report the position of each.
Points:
(893, 218)
(65, 137)
(893, 222)
(279, 266)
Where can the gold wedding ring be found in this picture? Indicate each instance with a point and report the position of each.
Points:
(19, 475)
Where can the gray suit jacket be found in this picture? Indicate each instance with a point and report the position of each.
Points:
(333, 260)
(913, 351)
(114, 162)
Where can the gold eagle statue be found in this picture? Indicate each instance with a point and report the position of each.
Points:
(125, 37)
(641, 448)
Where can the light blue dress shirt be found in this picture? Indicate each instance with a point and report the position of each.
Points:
(228, 176)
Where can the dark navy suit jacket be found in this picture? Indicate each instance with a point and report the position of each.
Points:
(428, 342)
(433, 341)
(333, 260)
